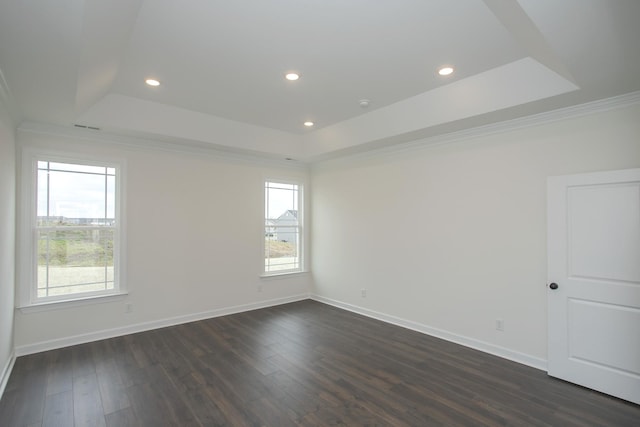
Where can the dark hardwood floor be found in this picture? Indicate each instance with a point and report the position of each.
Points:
(304, 363)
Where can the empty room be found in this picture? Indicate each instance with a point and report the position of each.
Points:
(306, 212)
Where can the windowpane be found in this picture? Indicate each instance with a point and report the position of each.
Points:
(282, 227)
(281, 255)
(43, 196)
(280, 185)
(111, 198)
(75, 198)
(73, 261)
(75, 229)
(70, 167)
(280, 200)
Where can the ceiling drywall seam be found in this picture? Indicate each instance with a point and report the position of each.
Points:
(102, 49)
(575, 111)
(523, 29)
(8, 101)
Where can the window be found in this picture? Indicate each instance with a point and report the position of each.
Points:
(282, 227)
(75, 229)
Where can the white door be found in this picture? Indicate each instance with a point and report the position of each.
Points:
(594, 281)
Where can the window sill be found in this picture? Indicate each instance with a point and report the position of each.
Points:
(282, 275)
(77, 302)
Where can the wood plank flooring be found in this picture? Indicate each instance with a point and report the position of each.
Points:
(303, 363)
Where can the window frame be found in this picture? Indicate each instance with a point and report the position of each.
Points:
(301, 227)
(28, 229)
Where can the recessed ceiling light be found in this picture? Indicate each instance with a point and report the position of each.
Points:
(308, 124)
(292, 76)
(152, 82)
(445, 71)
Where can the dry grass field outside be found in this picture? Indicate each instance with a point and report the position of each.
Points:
(280, 255)
(64, 280)
(69, 279)
(277, 249)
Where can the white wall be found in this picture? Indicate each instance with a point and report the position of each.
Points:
(450, 238)
(194, 227)
(7, 237)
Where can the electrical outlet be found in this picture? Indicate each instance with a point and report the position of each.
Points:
(363, 293)
(260, 288)
(499, 325)
(128, 307)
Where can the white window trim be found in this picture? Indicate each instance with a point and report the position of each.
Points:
(26, 250)
(301, 223)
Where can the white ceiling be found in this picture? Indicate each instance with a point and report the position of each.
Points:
(222, 66)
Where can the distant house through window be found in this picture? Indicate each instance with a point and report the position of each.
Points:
(283, 227)
(287, 223)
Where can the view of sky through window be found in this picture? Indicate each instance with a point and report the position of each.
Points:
(280, 198)
(75, 191)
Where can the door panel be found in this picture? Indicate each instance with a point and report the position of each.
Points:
(594, 257)
(602, 220)
(596, 328)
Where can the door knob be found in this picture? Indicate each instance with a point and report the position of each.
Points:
(553, 286)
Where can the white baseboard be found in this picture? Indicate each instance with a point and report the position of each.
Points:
(505, 353)
(146, 326)
(6, 373)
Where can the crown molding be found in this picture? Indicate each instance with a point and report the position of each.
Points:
(574, 111)
(163, 144)
(547, 117)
